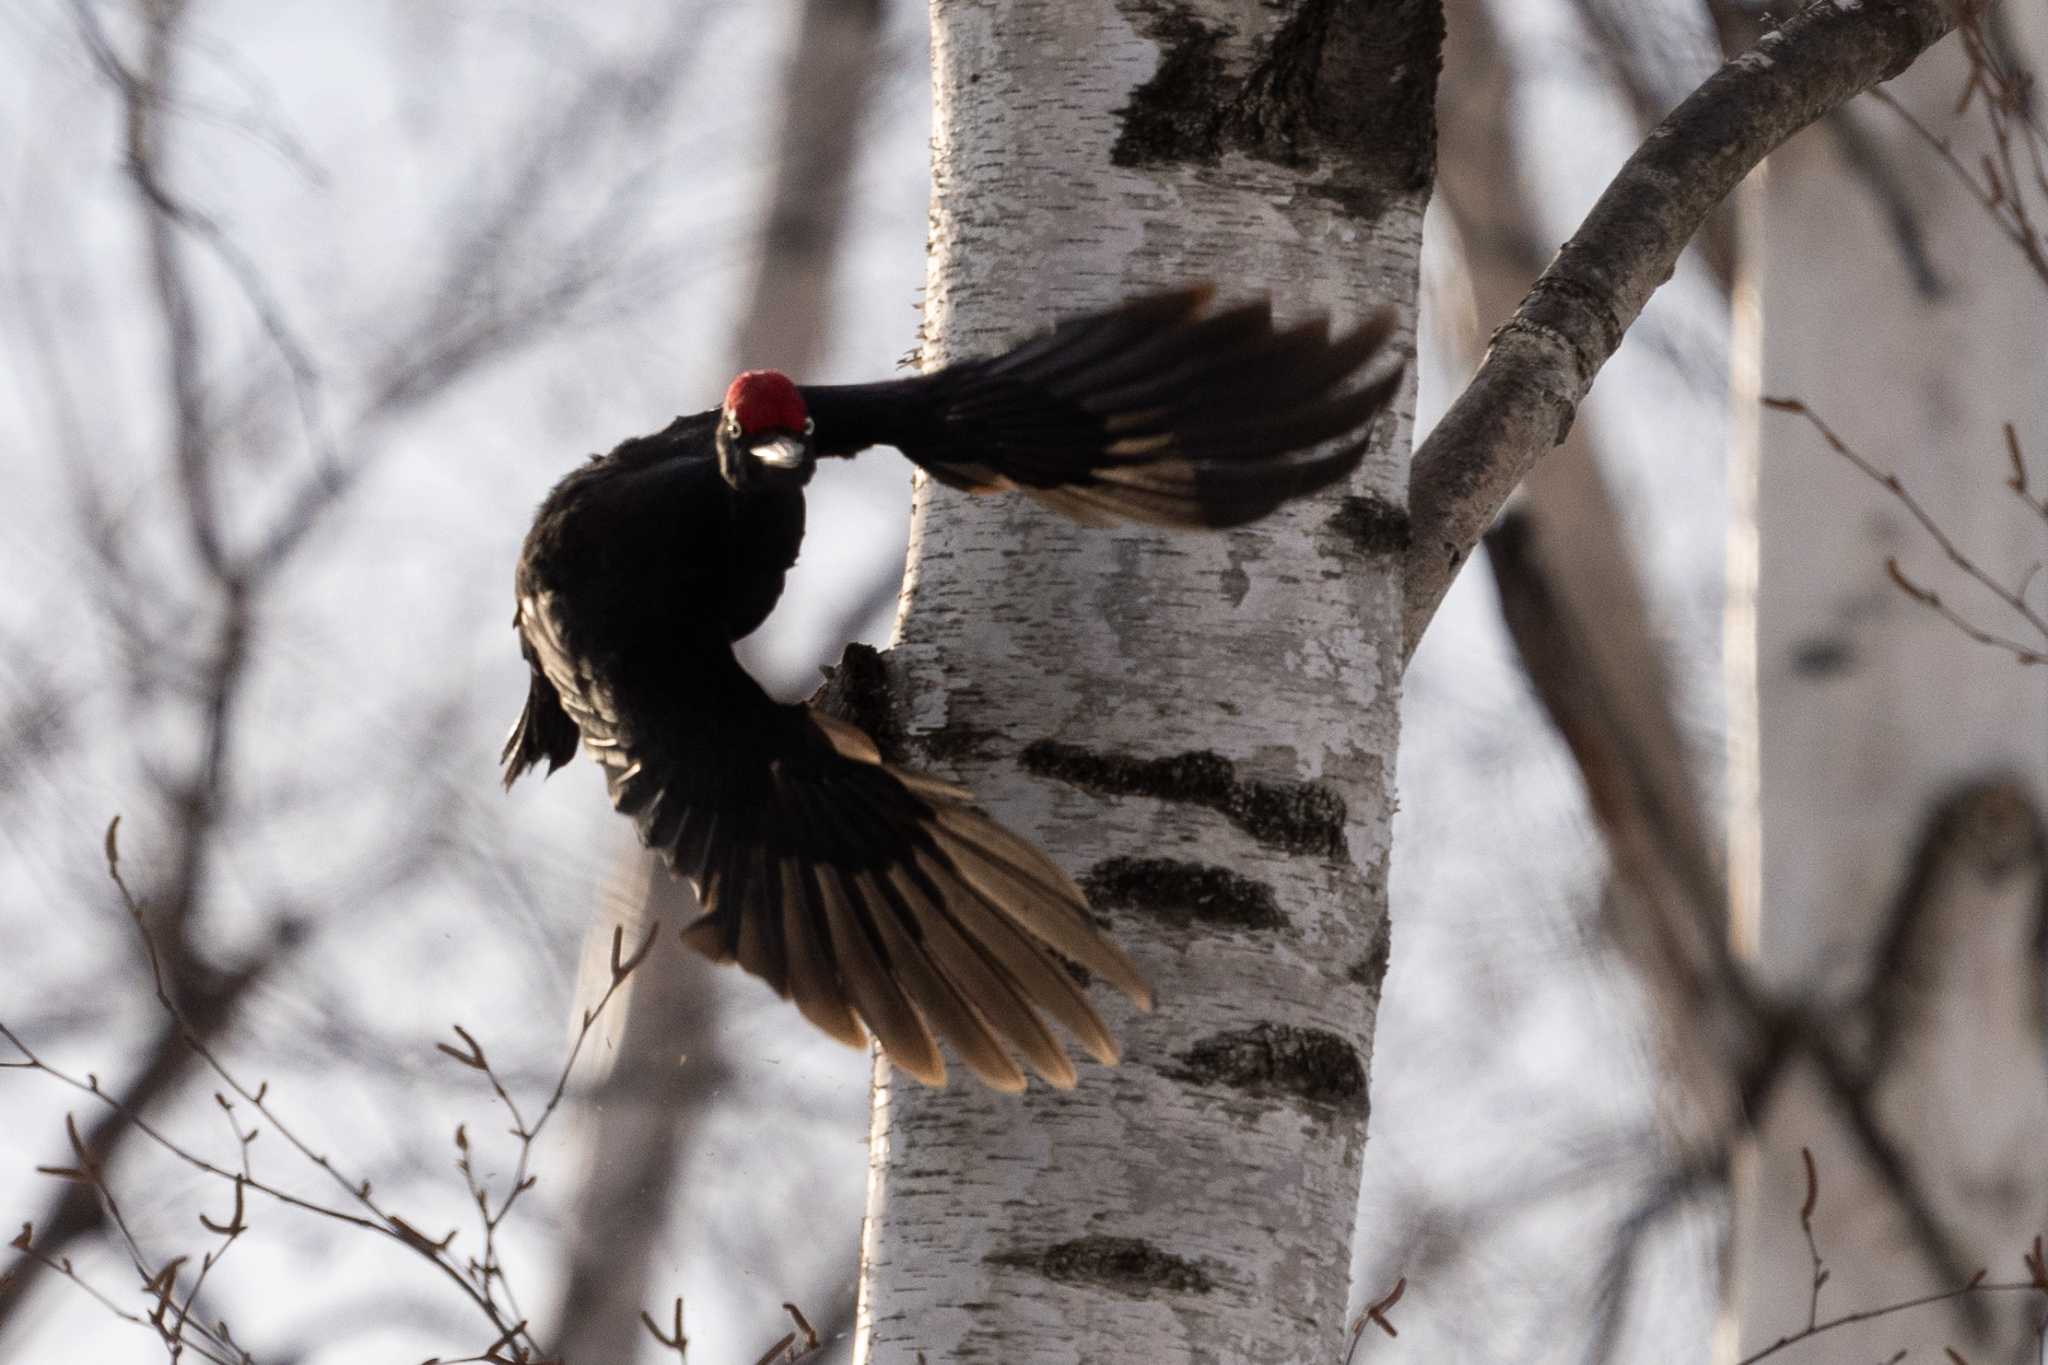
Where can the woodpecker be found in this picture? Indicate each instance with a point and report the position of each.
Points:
(880, 900)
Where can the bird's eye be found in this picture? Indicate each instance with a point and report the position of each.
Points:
(732, 424)
(810, 425)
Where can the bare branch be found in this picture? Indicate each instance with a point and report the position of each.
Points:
(482, 1281)
(1544, 359)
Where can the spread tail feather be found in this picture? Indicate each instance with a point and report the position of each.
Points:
(883, 902)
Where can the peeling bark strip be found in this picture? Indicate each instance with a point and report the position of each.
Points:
(1183, 893)
(1306, 1063)
(1543, 360)
(1128, 1265)
(1296, 817)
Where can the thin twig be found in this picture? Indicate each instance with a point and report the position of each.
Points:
(1820, 1273)
(483, 1282)
(168, 1320)
(1976, 1285)
(2012, 600)
(490, 1270)
(1375, 1315)
(2002, 189)
(673, 1339)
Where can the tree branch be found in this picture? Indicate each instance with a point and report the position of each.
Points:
(75, 1212)
(1543, 360)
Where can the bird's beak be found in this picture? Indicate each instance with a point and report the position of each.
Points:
(780, 452)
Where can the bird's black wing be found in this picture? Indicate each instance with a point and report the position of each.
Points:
(543, 733)
(869, 895)
(1155, 411)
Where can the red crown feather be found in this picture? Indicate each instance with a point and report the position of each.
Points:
(765, 400)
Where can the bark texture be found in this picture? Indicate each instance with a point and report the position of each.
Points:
(1544, 359)
(1201, 728)
(1902, 767)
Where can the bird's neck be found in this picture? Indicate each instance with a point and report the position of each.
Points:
(766, 531)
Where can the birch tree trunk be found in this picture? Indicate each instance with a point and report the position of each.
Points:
(1201, 728)
(1901, 766)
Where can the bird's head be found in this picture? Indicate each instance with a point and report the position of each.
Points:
(764, 433)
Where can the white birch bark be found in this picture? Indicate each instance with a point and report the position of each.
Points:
(1199, 727)
(1900, 764)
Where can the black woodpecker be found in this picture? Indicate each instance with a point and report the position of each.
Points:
(880, 900)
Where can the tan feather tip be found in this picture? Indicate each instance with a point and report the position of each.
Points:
(840, 1025)
(932, 1076)
(931, 788)
(702, 933)
(849, 740)
(1012, 1082)
(1061, 1077)
(1126, 978)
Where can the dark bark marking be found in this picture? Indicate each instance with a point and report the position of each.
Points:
(956, 740)
(1183, 893)
(1373, 526)
(1297, 817)
(1235, 583)
(1177, 114)
(1350, 83)
(1127, 1265)
(1305, 1063)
